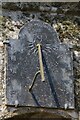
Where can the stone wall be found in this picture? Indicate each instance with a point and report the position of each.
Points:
(63, 17)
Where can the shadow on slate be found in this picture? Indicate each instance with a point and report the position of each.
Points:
(51, 83)
(23, 62)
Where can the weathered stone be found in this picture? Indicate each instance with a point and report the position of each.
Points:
(52, 18)
(23, 64)
(1, 74)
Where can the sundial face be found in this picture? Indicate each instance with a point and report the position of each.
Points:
(23, 64)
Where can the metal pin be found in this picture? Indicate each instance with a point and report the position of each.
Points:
(41, 63)
(6, 42)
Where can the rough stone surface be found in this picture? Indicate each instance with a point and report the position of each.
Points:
(66, 21)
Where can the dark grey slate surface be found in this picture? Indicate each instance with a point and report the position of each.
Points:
(57, 91)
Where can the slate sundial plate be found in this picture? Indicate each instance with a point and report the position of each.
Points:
(23, 62)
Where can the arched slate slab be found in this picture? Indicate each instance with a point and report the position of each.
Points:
(23, 62)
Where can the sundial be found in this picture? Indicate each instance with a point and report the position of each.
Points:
(39, 71)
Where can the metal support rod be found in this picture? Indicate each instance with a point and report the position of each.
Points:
(30, 87)
(41, 63)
